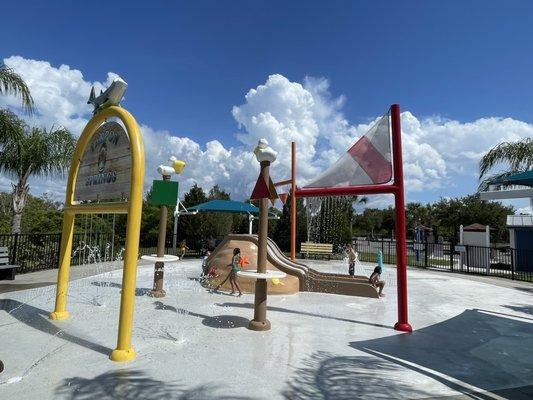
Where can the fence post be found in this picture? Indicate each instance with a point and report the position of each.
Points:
(425, 251)
(467, 259)
(513, 254)
(15, 249)
(452, 254)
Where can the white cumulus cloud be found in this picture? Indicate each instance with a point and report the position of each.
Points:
(437, 152)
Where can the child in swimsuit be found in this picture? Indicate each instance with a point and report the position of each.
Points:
(376, 282)
(232, 276)
(234, 269)
(351, 259)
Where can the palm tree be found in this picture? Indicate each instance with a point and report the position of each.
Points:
(517, 155)
(26, 151)
(12, 83)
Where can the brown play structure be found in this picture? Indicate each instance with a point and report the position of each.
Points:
(300, 278)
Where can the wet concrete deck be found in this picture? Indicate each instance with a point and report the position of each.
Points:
(470, 336)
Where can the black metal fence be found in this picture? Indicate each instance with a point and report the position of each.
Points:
(39, 251)
(503, 262)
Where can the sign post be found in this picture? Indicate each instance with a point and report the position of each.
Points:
(106, 176)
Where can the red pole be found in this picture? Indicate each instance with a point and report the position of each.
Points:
(293, 201)
(346, 191)
(401, 249)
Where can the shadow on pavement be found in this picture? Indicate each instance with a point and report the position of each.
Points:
(37, 318)
(474, 352)
(138, 291)
(135, 385)
(524, 289)
(14, 287)
(526, 309)
(218, 321)
(286, 310)
(326, 376)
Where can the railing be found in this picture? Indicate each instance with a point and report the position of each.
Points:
(503, 262)
(39, 251)
(32, 252)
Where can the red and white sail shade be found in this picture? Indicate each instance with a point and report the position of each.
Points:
(367, 162)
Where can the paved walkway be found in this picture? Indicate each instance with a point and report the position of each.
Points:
(470, 337)
(49, 277)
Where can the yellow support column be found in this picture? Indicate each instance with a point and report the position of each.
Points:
(60, 311)
(124, 350)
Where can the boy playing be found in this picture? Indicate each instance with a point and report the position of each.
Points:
(350, 252)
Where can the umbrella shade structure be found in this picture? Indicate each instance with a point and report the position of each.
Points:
(231, 206)
(521, 178)
(228, 206)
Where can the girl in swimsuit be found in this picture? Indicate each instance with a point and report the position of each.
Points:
(375, 280)
(235, 262)
(234, 269)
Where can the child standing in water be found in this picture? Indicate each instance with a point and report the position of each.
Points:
(350, 252)
(183, 249)
(235, 262)
(204, 264)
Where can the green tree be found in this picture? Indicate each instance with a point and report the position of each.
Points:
(356, 201)
(12, 83)
(192, 227)
(26, 151)
(216, 193)
(282, 231)
(150, 218)
(43, 214)
(370, 221)
(471, 209)
(420, 214)
(218, 224)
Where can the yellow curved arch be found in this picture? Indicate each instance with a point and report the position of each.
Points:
(133, 207)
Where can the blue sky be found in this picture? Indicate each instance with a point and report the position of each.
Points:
(189, 64)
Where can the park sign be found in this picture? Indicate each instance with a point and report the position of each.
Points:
(105, 170)
(107, 165)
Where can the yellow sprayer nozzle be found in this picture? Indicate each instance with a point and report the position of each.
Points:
(178, 166)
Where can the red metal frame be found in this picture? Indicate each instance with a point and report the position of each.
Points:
(399, 201)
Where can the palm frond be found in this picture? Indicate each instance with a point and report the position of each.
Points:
(518, 155)
(36, 151)
(12, 134)
(12, 83)
(51, 151)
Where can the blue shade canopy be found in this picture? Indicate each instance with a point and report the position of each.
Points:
(521, 178)
(228, 206)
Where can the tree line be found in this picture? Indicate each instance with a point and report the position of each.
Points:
(45, 214)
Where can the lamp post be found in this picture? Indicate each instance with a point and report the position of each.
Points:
(265, 155)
